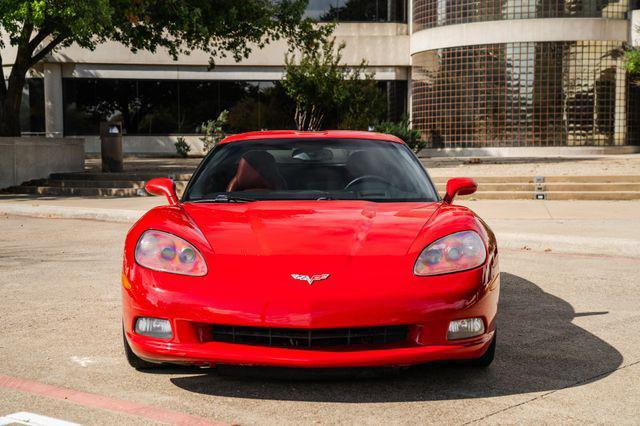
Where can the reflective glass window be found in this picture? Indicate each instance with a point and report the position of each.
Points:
(358, 10)
(435, 13)
(160, 107)
(522, 94)
(32, 107)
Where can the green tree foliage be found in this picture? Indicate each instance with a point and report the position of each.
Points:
(213, 131)
(319, 85)
(403, 130)
(182, 147)
(219, 27)
(632, 61)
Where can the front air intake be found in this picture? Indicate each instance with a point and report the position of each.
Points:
(295, 338)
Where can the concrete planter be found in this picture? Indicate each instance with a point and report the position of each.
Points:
(27, 158)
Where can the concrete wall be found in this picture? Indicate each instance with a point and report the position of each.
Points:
(634, 28)
(520, 30)
(148, 145)
(27, 158)
(381, 44)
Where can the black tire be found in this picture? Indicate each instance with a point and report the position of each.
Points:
(485, 360)
(135, 361)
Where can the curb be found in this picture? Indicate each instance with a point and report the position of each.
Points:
(60, 212)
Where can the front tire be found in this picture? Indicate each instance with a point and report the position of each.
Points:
(485, 360)
(134, 360)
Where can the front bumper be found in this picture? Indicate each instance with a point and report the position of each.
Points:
(212, 353)
(427, 311)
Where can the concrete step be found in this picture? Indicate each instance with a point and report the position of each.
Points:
(119, 176)
(68, 183)
(440, 180)
(547, 179)
(83, 192)
(557, 195)
(551, 187)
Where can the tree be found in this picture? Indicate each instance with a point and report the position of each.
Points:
(220, 27)
(319, 84)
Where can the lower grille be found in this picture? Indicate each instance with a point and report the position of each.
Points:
(309, 338)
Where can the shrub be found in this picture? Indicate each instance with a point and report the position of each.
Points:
(182, 147)
(632, 61)
(403, 130)
(213, 131)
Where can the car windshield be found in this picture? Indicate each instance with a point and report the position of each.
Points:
(306, 169)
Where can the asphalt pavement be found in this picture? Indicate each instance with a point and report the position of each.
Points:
(568, 348)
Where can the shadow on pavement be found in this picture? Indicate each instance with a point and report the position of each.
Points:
(539, 349)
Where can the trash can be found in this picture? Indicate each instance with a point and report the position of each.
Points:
(111, 146)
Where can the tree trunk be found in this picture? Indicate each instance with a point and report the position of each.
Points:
(10, 115)
(10, 100)
(11, 95)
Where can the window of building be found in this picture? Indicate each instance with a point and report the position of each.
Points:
(435, 13)
(521, 94)
(358, 10)
(160, 107)
(32, 107)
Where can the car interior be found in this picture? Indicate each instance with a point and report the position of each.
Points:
(339, 171)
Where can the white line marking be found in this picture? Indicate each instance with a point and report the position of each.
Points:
(83, 361)
(24, 418)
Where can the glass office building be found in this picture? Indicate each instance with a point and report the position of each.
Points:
(469, 73)
(493, 83)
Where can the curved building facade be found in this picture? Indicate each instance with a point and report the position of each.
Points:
(492, 73)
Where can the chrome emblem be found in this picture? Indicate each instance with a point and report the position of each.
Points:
(310, 279)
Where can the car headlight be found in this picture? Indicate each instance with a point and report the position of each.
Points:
(166, 252)
(454, 253)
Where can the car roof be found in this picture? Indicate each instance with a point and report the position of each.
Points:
(326, 134)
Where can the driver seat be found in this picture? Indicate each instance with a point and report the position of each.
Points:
(257, 171)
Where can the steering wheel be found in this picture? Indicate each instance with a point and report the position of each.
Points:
(364, 178)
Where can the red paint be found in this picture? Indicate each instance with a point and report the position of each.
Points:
(163, 186)
(459, 186)
(328, 134)
(369, 250)
(93, 400)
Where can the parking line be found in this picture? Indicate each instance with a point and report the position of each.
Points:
(93, 400)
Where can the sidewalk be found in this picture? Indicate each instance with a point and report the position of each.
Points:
(610, 228)
(609, 165)
(589, 165)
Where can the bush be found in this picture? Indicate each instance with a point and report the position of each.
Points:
(213, 131)
(182, 147)
(632, 61)
(402, 130)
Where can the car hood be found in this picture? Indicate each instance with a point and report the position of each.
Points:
(310, 228)
(253, 250)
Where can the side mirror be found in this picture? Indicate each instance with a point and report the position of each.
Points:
(459, 186)
(163, 186)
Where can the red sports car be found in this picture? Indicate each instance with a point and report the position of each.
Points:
(310, 249)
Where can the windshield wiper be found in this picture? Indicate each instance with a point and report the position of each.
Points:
(225, 198)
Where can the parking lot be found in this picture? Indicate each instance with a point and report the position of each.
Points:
(568, 348)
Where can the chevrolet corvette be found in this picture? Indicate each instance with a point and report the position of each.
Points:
(311, 250)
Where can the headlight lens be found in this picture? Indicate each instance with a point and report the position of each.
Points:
(166, 252)
(453, 253)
